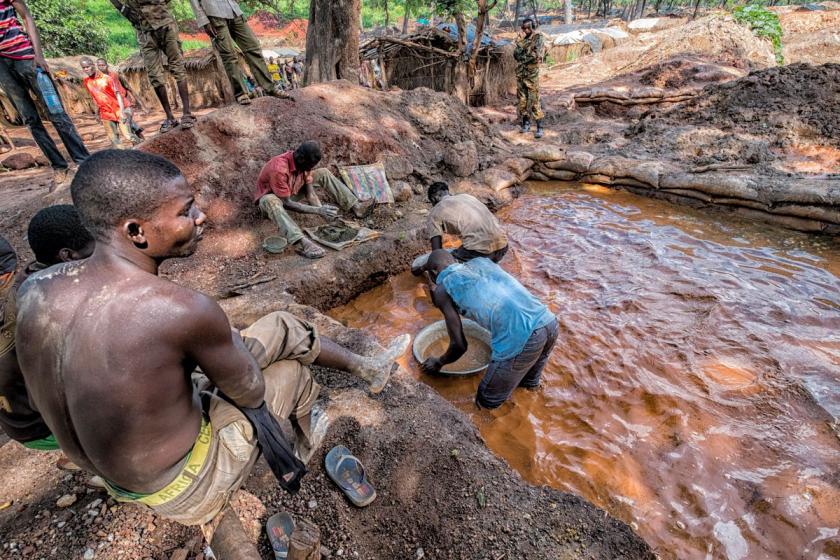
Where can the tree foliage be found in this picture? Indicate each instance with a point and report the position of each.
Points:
(66, 29)
(763, 23)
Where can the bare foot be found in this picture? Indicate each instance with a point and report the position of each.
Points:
(377, 369)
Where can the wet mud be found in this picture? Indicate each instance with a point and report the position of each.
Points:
(695, 388)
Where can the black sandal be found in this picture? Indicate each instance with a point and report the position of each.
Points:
(168, 125)
(188, 121)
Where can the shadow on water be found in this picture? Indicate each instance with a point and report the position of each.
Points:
(695, 388)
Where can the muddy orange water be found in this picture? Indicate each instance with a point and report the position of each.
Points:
(694, 391)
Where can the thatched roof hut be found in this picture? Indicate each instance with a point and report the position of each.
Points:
(428, 57)
(209, 85)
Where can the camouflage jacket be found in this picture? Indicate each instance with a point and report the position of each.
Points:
(529, 51)
(150, 14)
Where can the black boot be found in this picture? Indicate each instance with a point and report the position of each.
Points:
(526, 125)
(539, 132)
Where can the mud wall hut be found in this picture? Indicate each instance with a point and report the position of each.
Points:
(209, 85)
(428, 57)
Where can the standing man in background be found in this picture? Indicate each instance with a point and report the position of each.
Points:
(21, 58)
(114, 107)
(224, 23)
(529, 54)
(157, 35)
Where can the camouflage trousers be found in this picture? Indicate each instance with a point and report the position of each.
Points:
(528, 95)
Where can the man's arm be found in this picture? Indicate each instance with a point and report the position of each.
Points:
(220, 353)
(311, 195)
(457, 340)
(326, 211)
(201, 18)
(32, 31)
(128, 13)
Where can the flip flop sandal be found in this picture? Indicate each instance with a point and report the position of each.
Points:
(168, 125)
(310, 252)
(280, 527)
(349, 474)
(188, 121)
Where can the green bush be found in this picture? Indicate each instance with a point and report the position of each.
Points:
(66, 29)
(764, 24)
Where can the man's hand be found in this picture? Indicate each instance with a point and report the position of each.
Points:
(328, 211)
(40, 62)
(431, 366)
(210, 30)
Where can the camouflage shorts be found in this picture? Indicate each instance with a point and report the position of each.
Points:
(162, 51)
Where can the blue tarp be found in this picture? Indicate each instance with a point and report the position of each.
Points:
(486, 40)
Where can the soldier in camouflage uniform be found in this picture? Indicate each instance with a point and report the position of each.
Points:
(157, 35)
(529, 54)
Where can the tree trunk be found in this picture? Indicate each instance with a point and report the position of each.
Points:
(696, 6)
(332, 41)
(406, 17)
(468, 76)
(568, 10)
(387, 15)
(461, 85)
(516, 13)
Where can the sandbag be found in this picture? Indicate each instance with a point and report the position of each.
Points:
(690, 194)
(537, 176)
(577, 161)
(545, 153)
(715, 184)
(520, 166)
(499, 178)
(560, 174)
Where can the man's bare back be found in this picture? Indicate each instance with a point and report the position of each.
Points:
(107, 347)
(121, 364)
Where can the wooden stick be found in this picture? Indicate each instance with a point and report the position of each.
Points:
(418, 46)
(305, 543)
(229, 539)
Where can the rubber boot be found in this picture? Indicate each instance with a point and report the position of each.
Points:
(526, 125)
(539, 133)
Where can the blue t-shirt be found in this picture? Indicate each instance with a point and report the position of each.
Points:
(494, 299)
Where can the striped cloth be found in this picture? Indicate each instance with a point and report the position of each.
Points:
(14, 43)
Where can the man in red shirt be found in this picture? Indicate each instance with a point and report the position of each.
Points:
(287, 182)
(113, 103)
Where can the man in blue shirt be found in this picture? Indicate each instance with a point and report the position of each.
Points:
(522, 328)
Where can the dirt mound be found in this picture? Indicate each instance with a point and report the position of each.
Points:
(713, 39)
(790, 105)
(811, 36)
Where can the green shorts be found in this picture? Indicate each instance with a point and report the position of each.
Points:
(44, 444)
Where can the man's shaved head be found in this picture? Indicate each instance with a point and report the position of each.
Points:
(439, 260)
(112, 186)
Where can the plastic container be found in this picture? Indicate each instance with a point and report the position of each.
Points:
(435, 335)
(49, 93)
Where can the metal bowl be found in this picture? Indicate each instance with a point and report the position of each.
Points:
(436, 331)
(275, 244)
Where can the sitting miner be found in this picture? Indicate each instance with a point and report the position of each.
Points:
(463, 215)
(523, 329)
(287, 182)
(110, 352)
(55, 235)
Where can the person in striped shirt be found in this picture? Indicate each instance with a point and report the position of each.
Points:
(20, 57)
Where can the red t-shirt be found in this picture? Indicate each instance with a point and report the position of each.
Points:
(279, 176)
(103, 88)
